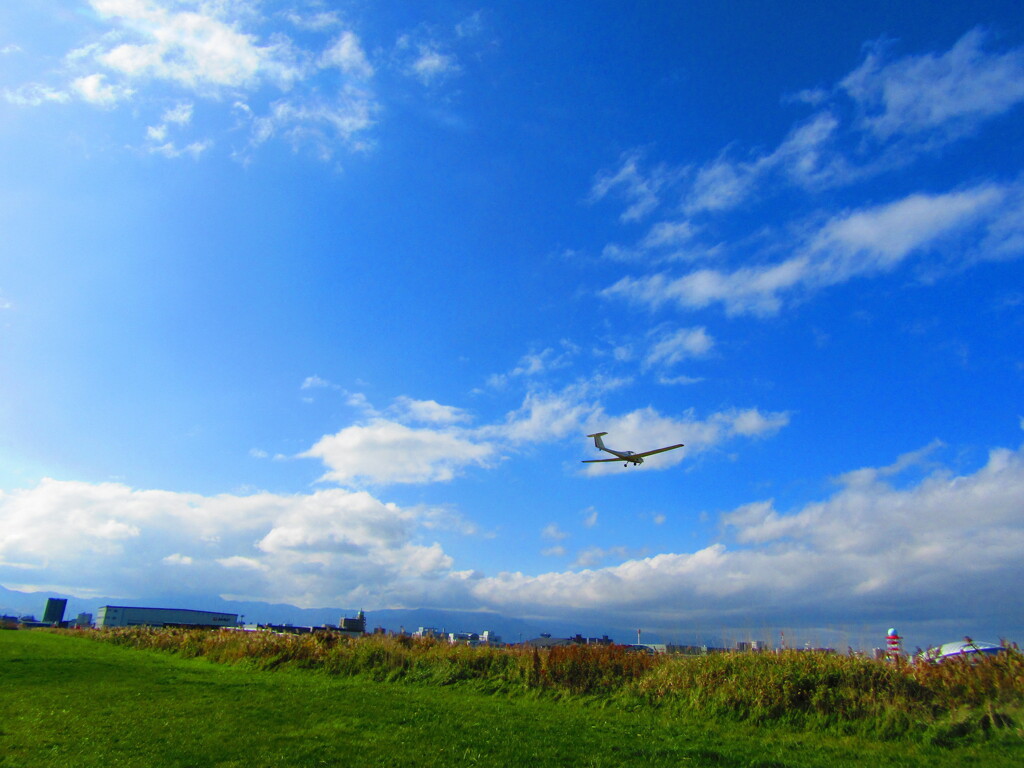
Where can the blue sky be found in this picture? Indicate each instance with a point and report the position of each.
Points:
(316, 302)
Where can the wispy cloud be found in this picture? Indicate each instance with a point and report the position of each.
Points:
(669, 348)
(902, 107)
(639, 187)
(552, 531)
(949, 93)
(427, 411)
(853, 244)
(888, 112)
(35, 94)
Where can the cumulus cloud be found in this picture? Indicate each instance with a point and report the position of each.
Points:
(871, 551)
(309, 549)
(384, 451)
(887, 544)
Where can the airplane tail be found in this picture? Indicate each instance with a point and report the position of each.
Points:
(598, 442)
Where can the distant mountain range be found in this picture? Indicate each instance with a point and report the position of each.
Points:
(511, 630)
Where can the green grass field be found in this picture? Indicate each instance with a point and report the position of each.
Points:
(66, 700)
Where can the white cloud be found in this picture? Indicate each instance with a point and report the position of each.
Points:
(592, 556)
(948, 546)
(180, 114)
(171, 150)
(877, 239)
(720, 185)
(347, 54)
(667, 234)
(534, 364)
(879, 547)
(849, 245)
(950, 92)
(385, 451)
(237, 561)
(552, 531)
(646, 428)
(218, 52)
(196, 48)
(808, 157)
(315, 21)
(323, 548)
(547, 416)
(95, 90)
(427, 411)
(34, 94)
(431, 65)
(674, 381)
(640, 189)
(905, 106)
(470, 26)
(315, 382)
(323, 123)
(672, 347)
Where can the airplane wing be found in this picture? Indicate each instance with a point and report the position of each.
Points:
(658, 450)
(597, 461)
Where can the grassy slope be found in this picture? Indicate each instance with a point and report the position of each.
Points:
(67, 701)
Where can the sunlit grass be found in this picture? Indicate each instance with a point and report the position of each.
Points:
(67, 701)
(846, 694)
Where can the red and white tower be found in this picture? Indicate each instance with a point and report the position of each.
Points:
(893, 645)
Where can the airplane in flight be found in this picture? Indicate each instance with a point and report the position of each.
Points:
(628, 456)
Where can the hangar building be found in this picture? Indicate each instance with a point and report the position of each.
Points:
(124, 616)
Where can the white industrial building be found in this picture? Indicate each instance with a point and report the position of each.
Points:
(125, 616)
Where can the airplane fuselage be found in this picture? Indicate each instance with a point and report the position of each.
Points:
(625, 455)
